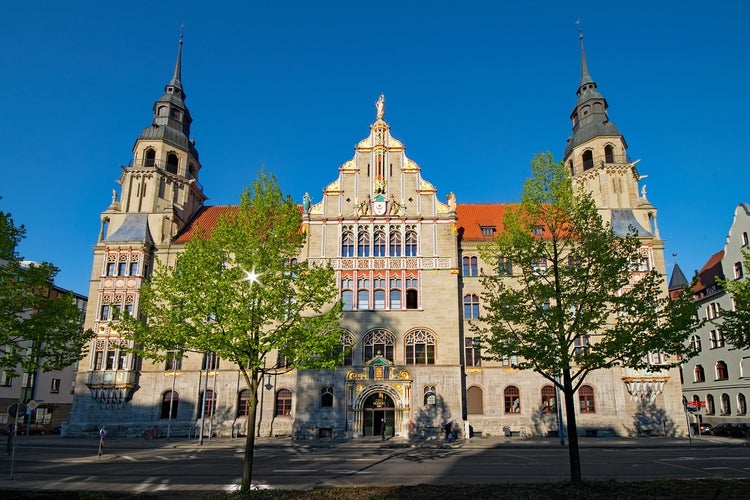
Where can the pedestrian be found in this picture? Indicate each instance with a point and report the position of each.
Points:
(103, 433)
(382, 429)
(448, 428)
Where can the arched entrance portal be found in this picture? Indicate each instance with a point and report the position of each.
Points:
(379, 415)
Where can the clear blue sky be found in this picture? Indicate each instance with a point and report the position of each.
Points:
(473, 89)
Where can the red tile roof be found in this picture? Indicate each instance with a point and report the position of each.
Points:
(473, 216)
(709, 272)
(205, 220)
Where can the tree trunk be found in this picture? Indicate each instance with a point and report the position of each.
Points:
(247, 464)
(570, 417)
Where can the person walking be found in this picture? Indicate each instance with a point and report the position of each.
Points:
(103, 433)
(382, 429)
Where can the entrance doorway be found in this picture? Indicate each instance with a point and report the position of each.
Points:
(379, 413)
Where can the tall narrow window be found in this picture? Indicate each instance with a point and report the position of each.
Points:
(609, 153)
(549, 399)
(726, 405)
(149, 158)
(741, 404)
(210, 361)
(283, 403)
(172, 163)
(347, 293)
(411, 243)
(363, 293)
(243, 403)
(430, 394)
(170, 400)
(379, 244)
(710, 407)
(695, 343)
(698, 374)
(722, 373)
(586, 399)
(363, 243)
(412, 293)
(470, 266)
(347, 244)
(588, 159)
(471, 306)
(473, 351)
(504, 267)
(512, 399)
(347, 348)
(395, 242)
(209, 403)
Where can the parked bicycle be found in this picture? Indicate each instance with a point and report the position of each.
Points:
(151, 433)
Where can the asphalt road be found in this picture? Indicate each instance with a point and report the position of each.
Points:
(52, 463)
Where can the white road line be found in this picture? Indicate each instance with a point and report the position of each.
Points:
(129, 458)
(294, 470)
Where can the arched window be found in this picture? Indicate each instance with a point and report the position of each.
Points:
(379, 242)
(172, 163)
(470, 266)
(741, 404)
(209, 403)
(698, 374)
(474, 400)
(395, 242)
(149, 158)
(326, 397)
(695, 343)
(347, 293)
(586, 399)
(283, 403)
(379, 342)
(411, 243)
(430, 395)
(170, 399)
(420, 348)
(363, 243)
(710, 408)
(471, 306)
(549, 399)
(243, 403)
(162, 111)
(347, 244)
(588, 159)
(726, 406)
(512, 399)
(363, 293)
(722, 373)
(609, 153)
(412, 292)
(378, 293)
(347, 348)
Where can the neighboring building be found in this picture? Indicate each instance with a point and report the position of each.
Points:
(407, 266)
(53, 391)
(719, 375)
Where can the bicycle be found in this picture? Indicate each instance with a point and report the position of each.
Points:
(151, 433)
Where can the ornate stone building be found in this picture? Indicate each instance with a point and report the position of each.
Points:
(407, 267)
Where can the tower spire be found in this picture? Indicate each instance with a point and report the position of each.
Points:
(177, 77)
(584, 65)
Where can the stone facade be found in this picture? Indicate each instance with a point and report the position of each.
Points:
(407, 266)
(719, 374)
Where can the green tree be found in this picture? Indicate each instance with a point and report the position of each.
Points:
(735, 323)
(572, 305)
(39, 330)
(241, 293)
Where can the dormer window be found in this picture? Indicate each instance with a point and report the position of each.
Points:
(488, 231)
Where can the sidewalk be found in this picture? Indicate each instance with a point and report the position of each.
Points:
(396, 442)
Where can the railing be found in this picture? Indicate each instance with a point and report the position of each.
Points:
(352, 263)
(606, 160)
(111, 377)
(163, 166)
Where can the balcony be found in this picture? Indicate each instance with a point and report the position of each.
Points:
(603, 160)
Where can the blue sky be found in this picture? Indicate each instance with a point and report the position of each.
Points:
(473, 89)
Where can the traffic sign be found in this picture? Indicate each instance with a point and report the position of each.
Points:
(16, 409)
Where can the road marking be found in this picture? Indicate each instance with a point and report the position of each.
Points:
(129, 458)
(716, 468)
(294, 470)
